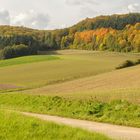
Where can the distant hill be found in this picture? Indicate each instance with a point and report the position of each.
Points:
(114, 33)
(117, 22)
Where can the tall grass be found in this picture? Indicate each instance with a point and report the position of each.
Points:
(117, 112)
(14, 126)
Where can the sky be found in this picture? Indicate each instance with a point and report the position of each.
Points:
(52, 14)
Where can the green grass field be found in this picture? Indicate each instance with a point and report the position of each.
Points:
(14, 126)
(27, 59)
(76, 84)
(67, 67)
(119, 84)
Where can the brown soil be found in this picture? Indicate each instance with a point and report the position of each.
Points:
(8, 86)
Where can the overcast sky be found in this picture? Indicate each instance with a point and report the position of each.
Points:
(51, 14)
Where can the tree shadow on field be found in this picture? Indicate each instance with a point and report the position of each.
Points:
(48, 53)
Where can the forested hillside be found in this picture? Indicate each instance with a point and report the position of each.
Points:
(114, 33)
(125, 40)
(114, 21)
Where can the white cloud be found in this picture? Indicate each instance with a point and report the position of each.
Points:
(62, 12)
(31, 19)
(80, 2)
(134, 7)
(87, 12)
(87, 8)
(4, 17)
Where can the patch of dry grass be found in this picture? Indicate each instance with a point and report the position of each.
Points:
(120, 84)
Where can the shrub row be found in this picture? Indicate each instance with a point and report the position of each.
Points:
(15, 51)
(128, 63)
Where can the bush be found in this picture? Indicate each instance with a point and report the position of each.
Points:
(127, 63)
(137, 62)
(15, 51)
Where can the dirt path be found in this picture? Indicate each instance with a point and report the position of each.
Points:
(113, 131)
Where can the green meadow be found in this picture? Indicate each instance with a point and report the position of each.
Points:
(14, 126)
(69, 83)
(116, 112)
(65, 67)
(27, 59)
(105, 87)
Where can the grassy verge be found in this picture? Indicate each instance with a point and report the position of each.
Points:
(14, 126)
(116, 112)
(27, 59)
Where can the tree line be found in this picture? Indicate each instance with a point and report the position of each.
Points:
(125, 40)
(114, 33)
